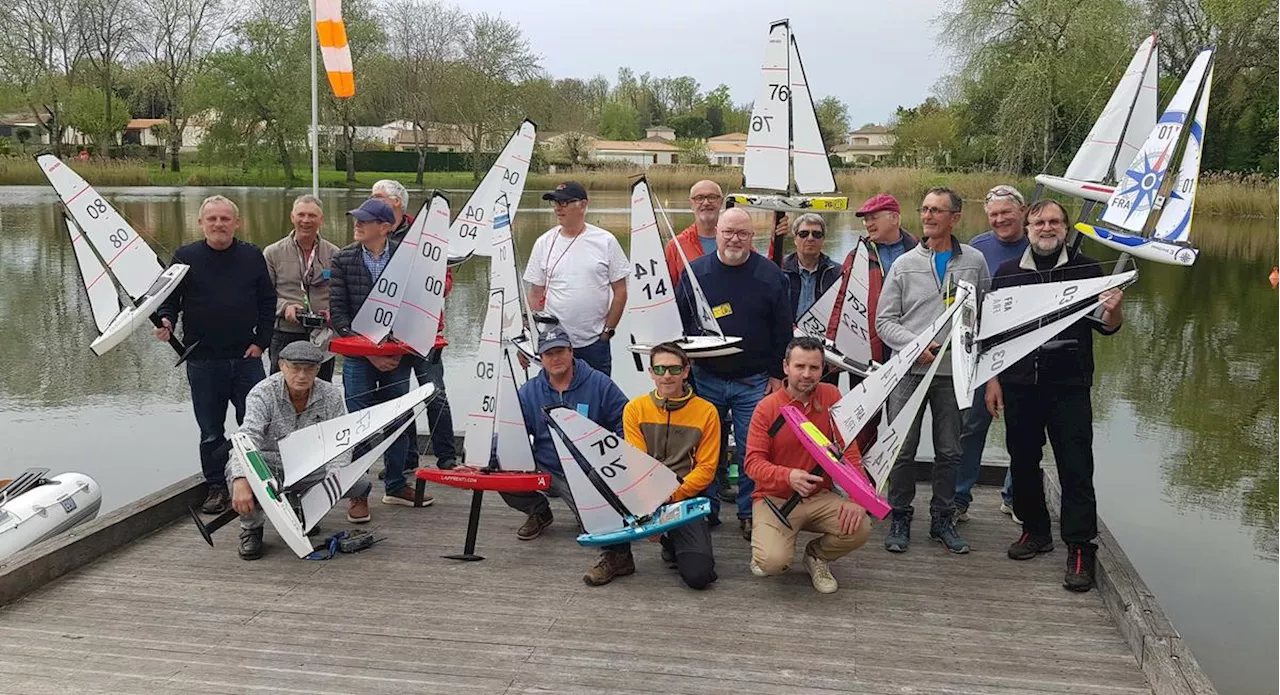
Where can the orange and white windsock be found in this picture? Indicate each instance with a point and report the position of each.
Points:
(332, 34)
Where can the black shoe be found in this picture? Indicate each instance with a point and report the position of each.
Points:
(943, 530)
(744, 526)
(446, 464)
(1028, 546)
(250, 544)
(668, 554)
(217, 501)
(1080, 568)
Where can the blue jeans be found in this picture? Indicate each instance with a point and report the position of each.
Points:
(973, 440)
(430, 369)
(736, 398)
(366, 386)
(598, 354)
(215, 383)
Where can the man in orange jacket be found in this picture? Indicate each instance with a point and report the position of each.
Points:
(698, 239)
(780, 465)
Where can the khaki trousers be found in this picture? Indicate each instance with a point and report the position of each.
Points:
(773, 546)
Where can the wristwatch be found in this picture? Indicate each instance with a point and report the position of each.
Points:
(609, 331)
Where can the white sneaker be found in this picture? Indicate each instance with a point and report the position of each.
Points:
(755, 570)
(1007, 508)
(820, 574)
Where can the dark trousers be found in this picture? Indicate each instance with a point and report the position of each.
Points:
(430, 369)
(945, 413)
(215, 384)
(1066, 414)
(280, 338)
(598, 354)
(365, 386)
(691, 544)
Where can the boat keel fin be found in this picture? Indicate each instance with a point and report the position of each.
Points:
(207, 530)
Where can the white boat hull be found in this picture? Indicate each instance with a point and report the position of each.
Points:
(130, 318)
(1153, 250)
(699, 346)
(1085, 190)
(524, 345)
(62, 503)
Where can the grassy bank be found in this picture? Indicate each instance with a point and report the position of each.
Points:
(1220, 195)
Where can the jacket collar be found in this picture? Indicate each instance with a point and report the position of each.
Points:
(791, 264)
(1028, 261)
(955, 245)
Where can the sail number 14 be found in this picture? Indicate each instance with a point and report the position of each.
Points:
(651, 290)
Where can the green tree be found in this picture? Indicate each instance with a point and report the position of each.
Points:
(833, 121)
(106, 30)
(618, 122)
(92, 113)
(691, 126)
(925, 135)
(39, 50)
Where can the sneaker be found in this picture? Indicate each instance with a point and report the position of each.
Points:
(405, 497)
(728, 494)
(756, 571)
(1028, 546)
(610, 566)
(1080, 568)
(960, 514)
(1007, 508)
(744, 526)
(943, 530)
(533, 526)
(820, 574)
(250, 544)
(358, 511)
(899, 536)
(446, 464)
(217, 501)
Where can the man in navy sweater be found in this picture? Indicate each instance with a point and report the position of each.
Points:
(227, 303)
(749, 298)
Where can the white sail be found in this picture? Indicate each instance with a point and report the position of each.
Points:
(852, 412)
(309, 448)
(812, 169)
(813, 322)
(999, 358)
(767, 159)
(853, 333)
(515, 450)
(596, 514)
(503, 276)
(418, 320)
(482, 421)
(1175, 219)
(1135, 196)
(706, 318)
(878, 459)
(123, 252)
(1126, 107)
(651, 300)
(1142, 119)
(964, 353)
(378, 313)
(642, 482)
(1009, 308)
(104, 301)
(472, 230)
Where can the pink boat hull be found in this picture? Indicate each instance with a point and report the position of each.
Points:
(846, 475)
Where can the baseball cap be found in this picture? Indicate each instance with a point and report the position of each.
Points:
(302, 352)
(374, 210)
(877, 203)
(567, 191)
(553, 337)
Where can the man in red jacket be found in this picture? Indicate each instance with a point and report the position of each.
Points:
(781, 466)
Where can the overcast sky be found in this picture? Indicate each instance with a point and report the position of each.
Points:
(873, 54)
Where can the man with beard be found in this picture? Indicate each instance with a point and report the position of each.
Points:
(780, 465)
(748, 297)
(1048, 391)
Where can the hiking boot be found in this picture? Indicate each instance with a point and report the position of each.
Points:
(960, 514)
(1007, 508)
(611, 565)
(744, 526)
(358, 511)
(405, 498)
(899, 536)
(250, 544)
(1028, 546)
(820, 574)
(943, 530)
(1080, 568)
(532, 527)
(217, 501)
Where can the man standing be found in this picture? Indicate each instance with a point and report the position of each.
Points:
(430, 367)
(699, 238)
(916, 291)
(780, 465)
(371, 380)
(570, 381)
(682, 431)
(809, 271)
(1048, 390)
(283, 403)
(1006, 241)
(227, 303)
(578, 274)
(299, 269)
(748, 297)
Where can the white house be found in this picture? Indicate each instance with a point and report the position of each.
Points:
(727, 150)
(642, 153)
(865, 145)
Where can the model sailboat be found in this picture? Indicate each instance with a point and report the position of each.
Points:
(517, 320)
(847, 343)
(111, 255)
(655, 318)
(471, 233)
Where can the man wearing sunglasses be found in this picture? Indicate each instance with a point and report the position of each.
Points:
(809, 271)
(683, 431)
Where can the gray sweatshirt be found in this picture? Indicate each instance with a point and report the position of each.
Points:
(913, 296)
(269, 417)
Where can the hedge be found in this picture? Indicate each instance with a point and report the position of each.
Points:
(384, 160)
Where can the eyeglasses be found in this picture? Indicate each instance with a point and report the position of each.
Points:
(934, 211)
(1049, 222)
(709, 198)
(804, 233)
(563, 203)
(663, 370)
(737, 233)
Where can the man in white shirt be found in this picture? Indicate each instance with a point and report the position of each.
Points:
(579, 275)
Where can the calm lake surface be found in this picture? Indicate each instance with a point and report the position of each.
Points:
(1185, 395)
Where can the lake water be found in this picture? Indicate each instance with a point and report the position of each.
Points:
(1185, 395)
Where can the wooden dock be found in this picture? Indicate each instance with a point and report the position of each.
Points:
(167, 614)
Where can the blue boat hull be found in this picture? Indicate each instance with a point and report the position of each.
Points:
(667, 517)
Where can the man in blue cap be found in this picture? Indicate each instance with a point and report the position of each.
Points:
(369, 381)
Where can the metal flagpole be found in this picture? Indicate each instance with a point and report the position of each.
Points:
(315, 110)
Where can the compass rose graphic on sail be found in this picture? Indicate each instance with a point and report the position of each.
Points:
(1146, 183)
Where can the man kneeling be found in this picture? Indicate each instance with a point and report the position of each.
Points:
(780, 465)
(276, 407)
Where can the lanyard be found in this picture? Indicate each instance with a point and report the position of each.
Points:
(562, 253)
(304, 262)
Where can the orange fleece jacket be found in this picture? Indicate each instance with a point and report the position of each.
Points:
(686, 439)
(770, 459)
(688, 240)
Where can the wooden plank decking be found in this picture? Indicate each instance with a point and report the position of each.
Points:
(167, 614)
